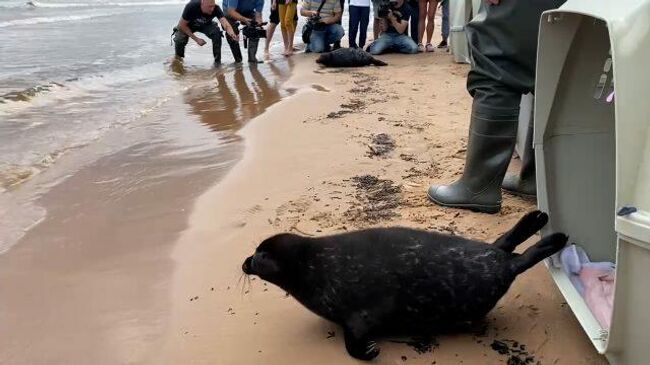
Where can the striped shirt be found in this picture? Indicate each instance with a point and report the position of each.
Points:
(329, 8)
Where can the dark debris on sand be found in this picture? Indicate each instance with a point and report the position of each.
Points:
(378, 199)
(352, 106)
(516, 351)
(421, 345)
(381, 145)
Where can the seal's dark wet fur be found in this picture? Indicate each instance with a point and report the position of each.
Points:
(398, 280)
(348, 57)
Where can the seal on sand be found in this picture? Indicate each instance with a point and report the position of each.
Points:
(387, 281)
(348, 57)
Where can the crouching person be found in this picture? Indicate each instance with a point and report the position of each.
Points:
(249, 13)
(324, 15)
(197, 17)
(393, 23)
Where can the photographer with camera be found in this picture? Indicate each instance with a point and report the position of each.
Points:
(197, 17)
(394, 16)
(249, 13)
(322, 29)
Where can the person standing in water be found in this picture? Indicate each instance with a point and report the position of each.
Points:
(274, 20)
(287, 10)
(247, 12)
(197, 17)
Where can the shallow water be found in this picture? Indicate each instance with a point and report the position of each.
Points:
(104, 146)
(81, 80)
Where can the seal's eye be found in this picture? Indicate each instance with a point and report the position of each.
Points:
(263, 264)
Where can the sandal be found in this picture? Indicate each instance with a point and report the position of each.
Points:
(429, 47)
(420, 47)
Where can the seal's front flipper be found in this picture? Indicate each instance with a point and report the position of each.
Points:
(357, 340)
(360, 347)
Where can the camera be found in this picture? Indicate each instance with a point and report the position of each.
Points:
(315, 22)
(254, 30)
(385, 6)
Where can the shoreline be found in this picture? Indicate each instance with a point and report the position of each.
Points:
(359, 154)
(95, 272)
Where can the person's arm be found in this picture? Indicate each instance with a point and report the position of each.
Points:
(228, 28)
(183, 26)
(400, 26)
(333, 19)
(234, 14)
(274, 5)
(305, 11)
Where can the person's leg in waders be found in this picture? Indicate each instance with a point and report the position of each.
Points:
(503, 46)
(234, 45)
(213, 32)
(180, 42)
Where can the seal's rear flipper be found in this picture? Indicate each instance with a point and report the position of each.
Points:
(377, 62)
(523, 230)
(538, 252)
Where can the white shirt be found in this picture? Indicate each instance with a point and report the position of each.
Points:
(360, 3)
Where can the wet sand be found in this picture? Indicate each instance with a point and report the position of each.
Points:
(358, 150)
(90, 284)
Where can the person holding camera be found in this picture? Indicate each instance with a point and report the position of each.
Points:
(394, 21)
(323, 17)
(249, 13)
(197, 17)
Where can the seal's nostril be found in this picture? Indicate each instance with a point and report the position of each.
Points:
(246, 266)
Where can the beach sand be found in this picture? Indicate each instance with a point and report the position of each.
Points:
(351, 149)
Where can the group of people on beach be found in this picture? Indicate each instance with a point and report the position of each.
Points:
(503, 44)
(391, 31)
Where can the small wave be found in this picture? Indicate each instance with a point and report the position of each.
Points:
(53, 19)
(28, 94)
(42, 95)
(38, 4)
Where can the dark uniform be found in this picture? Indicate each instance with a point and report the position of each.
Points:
(503, 48)
(247, 9)
(199, 22)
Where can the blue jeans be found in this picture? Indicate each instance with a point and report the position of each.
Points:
(321, 39)
(445, 20)
(393, 42)
(358, 15)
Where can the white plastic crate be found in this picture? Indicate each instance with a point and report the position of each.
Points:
(460, 13)
(593, 156)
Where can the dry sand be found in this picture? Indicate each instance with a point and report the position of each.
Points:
(357, 150)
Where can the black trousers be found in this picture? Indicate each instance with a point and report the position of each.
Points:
(503, 48)
(211, 30)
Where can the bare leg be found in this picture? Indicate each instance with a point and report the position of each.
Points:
(270, 30)
(433, 5)
(422, 19)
